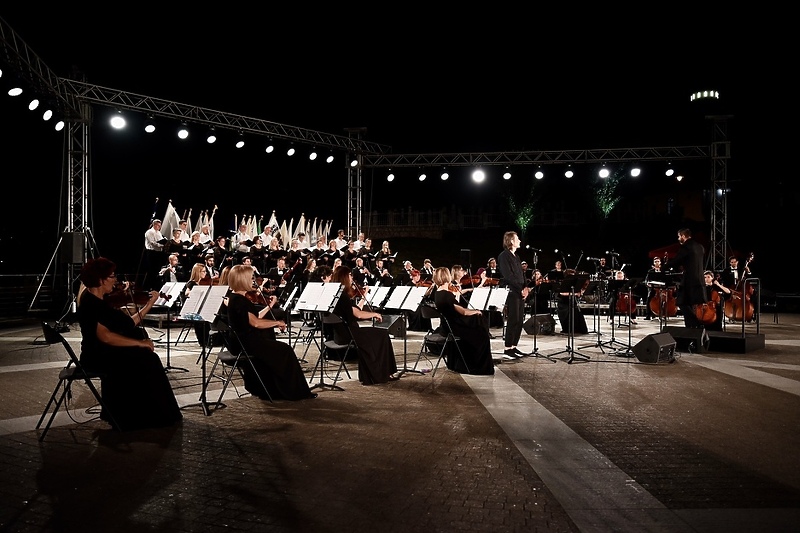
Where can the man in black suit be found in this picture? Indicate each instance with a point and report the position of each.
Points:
(691, 291)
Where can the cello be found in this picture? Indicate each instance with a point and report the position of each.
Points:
(739, 306)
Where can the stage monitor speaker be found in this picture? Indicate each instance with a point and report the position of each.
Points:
(466, 259)
(396, 324)
(541, 324)
(656, 348)
(693, 340)
(72, 247)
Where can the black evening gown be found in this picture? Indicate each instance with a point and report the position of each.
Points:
(376, 361)
(275, 361)
(475, 341)
(135, 386)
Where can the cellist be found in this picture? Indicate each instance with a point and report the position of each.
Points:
(716, 292)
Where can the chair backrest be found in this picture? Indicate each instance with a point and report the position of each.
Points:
(428, 311)
(341, 329)
(52, 336)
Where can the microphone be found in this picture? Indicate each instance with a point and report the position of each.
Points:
(612, 253)
(529, 247)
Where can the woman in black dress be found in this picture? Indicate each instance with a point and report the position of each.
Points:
(468, 324)
(376, 361)
(274, 361)
(134, 386)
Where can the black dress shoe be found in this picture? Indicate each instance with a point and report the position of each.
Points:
(520, 353)
(313, 395)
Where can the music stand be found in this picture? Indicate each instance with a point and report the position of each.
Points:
(320, 298)
(202, 305)
(568, 284)
(172, 291)
(614, 286)
(410, 303)
(593, 289)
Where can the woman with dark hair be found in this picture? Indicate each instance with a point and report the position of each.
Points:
(275, 362)
(135, 386)
(376, 361)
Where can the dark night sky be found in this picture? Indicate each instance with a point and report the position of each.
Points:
(423, 87)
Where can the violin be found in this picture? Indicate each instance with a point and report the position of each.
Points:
(125, 293)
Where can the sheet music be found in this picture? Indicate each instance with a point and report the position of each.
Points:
(414, 298)
(327, 299)
(173, 290)
(378, 294)
(309, 296)
(397, 297)
(213, 302)
(497, 297)
(195, 300)
(480, 295)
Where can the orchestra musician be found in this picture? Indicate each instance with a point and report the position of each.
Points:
(493, 277)
(468, 324)
(616, 292)
(376, 360)
(712, 285)
(382, 274)
(361, 273)
(540, 292)
(173, 271)
(655, 274)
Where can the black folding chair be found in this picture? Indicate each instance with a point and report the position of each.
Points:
(342, 342)
(436, 341)
(229, 360)
(73, 371)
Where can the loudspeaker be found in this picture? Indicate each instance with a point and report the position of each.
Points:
(396, 324)
(694, 340)
(541, 324)
(72, 247)
(656, 348)
(466, 259)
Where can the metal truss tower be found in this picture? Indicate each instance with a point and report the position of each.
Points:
(720, 154)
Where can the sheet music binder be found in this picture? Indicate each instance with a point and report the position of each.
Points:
(204, 301)
(379, 295)
(397, 297)
(318, 296)
(484, 298)
(173, 290)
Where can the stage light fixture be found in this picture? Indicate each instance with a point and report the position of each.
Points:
(60, 125)
(478, 176)
(507, 174)
(117, 121)
(150, 125)
(569, 173)
(444, 175)
(670, 171)
(183, 132)
(679, 177)
(330, 158)
(15, 90)
(270, 147)
(422, 176)
(240, 140)
(636, 172)
(290, 152)
(603, 172)
(354, 162)
(313, 155)
(211, 137)
(538, 174)
(390, 177)
(33, 104)
(47, 115)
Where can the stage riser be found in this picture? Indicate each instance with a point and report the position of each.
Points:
(727, 342)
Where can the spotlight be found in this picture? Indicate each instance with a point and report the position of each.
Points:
(15, 91)
(211, 137)
(445, 175)
(603, 172)
(47, 115)
(150, 125)
(290, 152)
(240, 140)
(679, 177)
(390, 177)
(60, 125)
(422, 177)
(569, 173)
(117, 121)
(507, 174)
(183, 133)
(478, 176)
(34, 104)
(354, 162)
(270, 147)
(330, 158)
(670, 171)
(538, 174)
(635, 172)
(313, 155)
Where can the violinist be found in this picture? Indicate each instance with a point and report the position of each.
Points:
(197, 277)
(427, 270)
(273, 360)
(716, 293)
(416, 322)
(540, 293)
(135, 387)
(465, 285)
(404, 277)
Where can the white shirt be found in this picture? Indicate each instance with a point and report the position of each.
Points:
(151, 238)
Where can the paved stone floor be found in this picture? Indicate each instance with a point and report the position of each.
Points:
(707, 443)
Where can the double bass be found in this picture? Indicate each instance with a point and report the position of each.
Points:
(706, 312)
(739, 306)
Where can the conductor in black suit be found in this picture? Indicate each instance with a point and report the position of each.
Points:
(691, 291)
